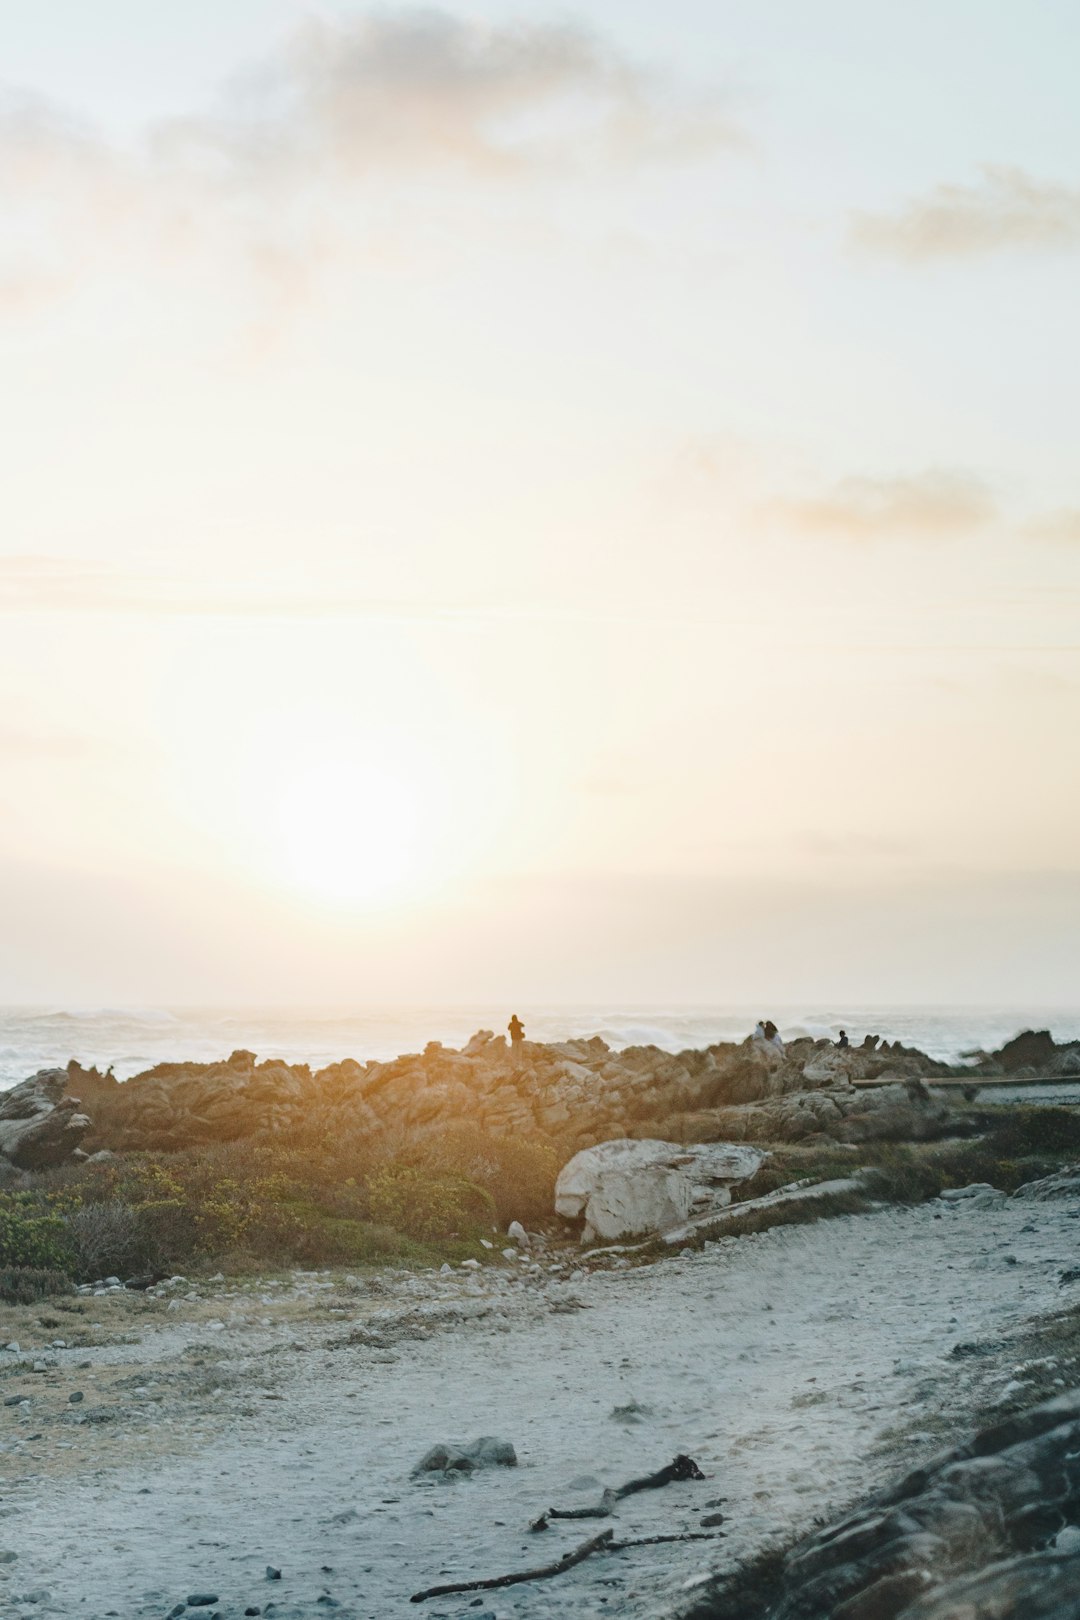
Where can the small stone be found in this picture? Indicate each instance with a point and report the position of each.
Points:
(8, 1557)
(272, 1574)
(14, 1400)
(75, 1397)
(201, 1600)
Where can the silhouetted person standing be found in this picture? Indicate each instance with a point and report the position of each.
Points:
(517, 1039)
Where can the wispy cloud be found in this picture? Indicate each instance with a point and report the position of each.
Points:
(423, 89)
(274, 169)
(34, 743)
(1005, 209)
(936, 504)
(1062, 525)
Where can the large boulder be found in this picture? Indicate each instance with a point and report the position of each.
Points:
(40, 1127)
(629, 1188)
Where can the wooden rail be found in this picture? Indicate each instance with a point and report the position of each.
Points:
(972, 1082)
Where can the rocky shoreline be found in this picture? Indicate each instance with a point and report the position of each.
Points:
(576, 1093)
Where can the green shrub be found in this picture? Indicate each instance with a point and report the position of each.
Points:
(25, 1285)
(31, 1234)
(426, 1206)
(517, 1171)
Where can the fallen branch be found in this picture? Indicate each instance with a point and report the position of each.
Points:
(604, 1542)
(682, 1467)
(567, 1561)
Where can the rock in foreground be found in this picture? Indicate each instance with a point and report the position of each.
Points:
(987, 1532)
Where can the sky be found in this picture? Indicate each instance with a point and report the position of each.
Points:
(540, 503)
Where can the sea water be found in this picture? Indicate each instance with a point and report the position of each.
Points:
(131, 1039)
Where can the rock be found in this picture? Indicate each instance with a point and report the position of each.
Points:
(970, 1536)
(201, 1600)
(40, 1127)
(979, 1195)
(631, 1187)
(1034, 1049)
(486, 1452)
(517, 1234)
(1063, 1184)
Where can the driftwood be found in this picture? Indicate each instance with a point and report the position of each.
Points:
(567, 1561)
(604, 1542)
(682, 1467)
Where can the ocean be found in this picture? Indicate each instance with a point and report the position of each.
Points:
(134, 1038)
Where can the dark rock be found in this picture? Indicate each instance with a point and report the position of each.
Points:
(486, 1452)
(1034, 1049)
(968, 1537)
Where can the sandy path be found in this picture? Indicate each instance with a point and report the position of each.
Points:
(780, 1362)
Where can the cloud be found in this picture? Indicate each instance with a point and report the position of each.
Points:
(31, 743)
(1062, 525)
(401, 98)
(422, 89)
(936, 504)
(1006, 209)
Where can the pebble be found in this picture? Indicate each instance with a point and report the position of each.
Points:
(201, 1600)
(75, 1397)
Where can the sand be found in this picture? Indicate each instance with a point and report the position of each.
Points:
(799, 1368)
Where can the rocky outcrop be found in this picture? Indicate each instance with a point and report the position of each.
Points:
(575, 1092)
(987, 1532)
(629, 1188)
(1032, 1054)
(40, 1126)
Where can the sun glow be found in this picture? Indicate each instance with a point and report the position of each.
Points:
(349, 833)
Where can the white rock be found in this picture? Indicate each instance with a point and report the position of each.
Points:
(517, 1233)
(627, 1188)
(470, 1265)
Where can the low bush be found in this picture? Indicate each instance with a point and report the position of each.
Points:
(25, 1285)
(309, 1199)
(32, 1234)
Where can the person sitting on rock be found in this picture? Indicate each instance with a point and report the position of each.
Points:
(759, 1031)
(843, 1043)
(772, 1035)
(517, 1039)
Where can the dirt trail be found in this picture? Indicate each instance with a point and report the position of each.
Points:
(798, 1367)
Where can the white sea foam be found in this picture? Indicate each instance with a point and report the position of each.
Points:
(134, 1038)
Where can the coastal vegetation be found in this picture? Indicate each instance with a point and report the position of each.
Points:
(314, 1199)
(320, 1198)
